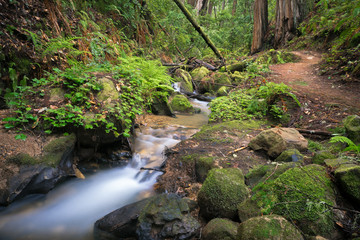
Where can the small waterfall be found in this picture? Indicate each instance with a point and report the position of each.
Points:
(69, 211)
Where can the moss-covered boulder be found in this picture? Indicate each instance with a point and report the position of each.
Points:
(320, 156)
(199, 73)
(220, 228)
(268, 227)
(290, 155)
(185, 80)
(108, 91)
(267, 172)
(221, 192)
(302, 194)
(213, 82)
(248, 209)
(166, 216)
(352, 128)
(180, 103)
(276, 140)
(348, 178)
(160, 106)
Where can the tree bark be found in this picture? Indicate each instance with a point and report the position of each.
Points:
(198, 29)
(289, 14)
(234, 7)
(210, 9)
(260, 25)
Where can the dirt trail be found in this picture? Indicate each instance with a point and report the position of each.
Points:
(326, 100)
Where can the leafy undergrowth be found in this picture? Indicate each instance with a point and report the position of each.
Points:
(334, 27)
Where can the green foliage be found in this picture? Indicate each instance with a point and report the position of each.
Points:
(246, 104)
(351, 146)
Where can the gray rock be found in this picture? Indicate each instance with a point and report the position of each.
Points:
(276, 140)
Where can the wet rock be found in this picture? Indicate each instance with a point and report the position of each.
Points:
(220, 228)
(166, 216)
(267, 227)
(352, 128)
(290, 155)
(221, 192)
(276, 140)
(42, 173)
(180, 103)
(120, 223)
(302, 194)
(185, 80)
(161, 107)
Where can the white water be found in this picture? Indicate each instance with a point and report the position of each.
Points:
(70, 211)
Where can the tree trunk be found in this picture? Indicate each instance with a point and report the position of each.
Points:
(210, 9)
(192, 2)
(198, 29)
(260, 25)
(234, 7)
(204, 7)
(289, 14)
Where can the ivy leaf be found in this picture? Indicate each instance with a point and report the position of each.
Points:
(21, 137)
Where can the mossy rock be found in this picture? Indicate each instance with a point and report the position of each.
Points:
(268, 172)
(239, 77)
(59, 149)
(352, 128)
(212, 83)
(203, 165)
(290, 155)
(160, 106)
(199, 73)
(348, 178)
(302, 194)
(180, 103)
(185, 80)
(57, 94)
(319, 157)
(268, 227)
(336, 162)
(23, 159)
(220, 228)
(108, 92)
(222, 91)
(248, 209)
(221, 192)
(239, 66)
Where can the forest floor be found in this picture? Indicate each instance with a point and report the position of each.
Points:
(326, 100)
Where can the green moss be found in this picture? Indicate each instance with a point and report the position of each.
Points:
(181, 104)
(209, 131)
(348, 176)
(185, 79)
(267, 227)
(352, 128)
(221, 192)
(199, 73)
(223, 91)
(248, 209)
(220, 228)
(314, 146)
(319, 157)
(300, 194)
(55, 150)
(56, 94)
(108, 90)
(23, 159)
(202, 166)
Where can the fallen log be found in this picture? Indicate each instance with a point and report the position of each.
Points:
(198, 97)
(316, 132)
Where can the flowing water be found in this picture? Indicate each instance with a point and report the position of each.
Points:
(69, 211)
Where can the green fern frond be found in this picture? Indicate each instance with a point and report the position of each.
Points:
(342, 139)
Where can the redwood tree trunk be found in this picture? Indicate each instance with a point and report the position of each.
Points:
(234, 7)
(260, 24)
(289, 14)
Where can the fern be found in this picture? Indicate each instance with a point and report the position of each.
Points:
(352, 147)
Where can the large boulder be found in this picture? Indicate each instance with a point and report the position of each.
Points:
(184, 77)
(302, 194)
(220, 228)
(221, 192)
(213, 82)
(352, 128)
(321, 156)
(120, 223)
(199, 73)
(166, 216)
(42, 173)
(271, 227)
(161, 107)
(276, 140)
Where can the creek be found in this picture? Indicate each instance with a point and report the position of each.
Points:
(69, 211)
